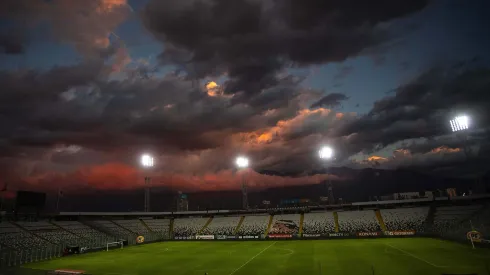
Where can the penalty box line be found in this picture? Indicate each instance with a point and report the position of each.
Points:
(251, 259)
(415, 256)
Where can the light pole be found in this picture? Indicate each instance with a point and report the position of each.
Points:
(147, 162)
(242, 163)
(326, 153)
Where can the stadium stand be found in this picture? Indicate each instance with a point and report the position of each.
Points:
(16, 238)
(254, 225)
(222, 226)
(51, 232)
(479, 221)
(81, 230)
(403, 219)
(318, 223)
(114, 228)
(186, 227)
(358, 221)
(448, 216)
(285, 224)
(134, 226)
(158, 225)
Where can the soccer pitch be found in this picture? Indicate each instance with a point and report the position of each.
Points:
(353, 256)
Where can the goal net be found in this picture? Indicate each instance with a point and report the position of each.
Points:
(113, 245)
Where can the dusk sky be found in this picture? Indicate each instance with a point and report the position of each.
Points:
(87, 86)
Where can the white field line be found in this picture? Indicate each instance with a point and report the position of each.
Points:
(251, 259)
(287, 249)
(415, 256)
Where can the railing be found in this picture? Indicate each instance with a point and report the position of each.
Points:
(21, 256)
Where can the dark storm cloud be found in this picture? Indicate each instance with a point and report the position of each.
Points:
(331, 100)
(253, 40)
(87, 25)
(423, 107)
(78, 105)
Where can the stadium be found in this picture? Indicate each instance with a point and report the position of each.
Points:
(440, 235)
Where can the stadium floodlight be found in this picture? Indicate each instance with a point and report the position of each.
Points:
(460, 123)
(326, 152)
(147, 160)
(241, 162)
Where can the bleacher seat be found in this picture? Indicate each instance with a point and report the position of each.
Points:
(222, 226)
(318, 223)
(254, 225)
(358, 221)
(159, 225)
(479, 221)
(404, 219)
(51, 232)
(186, 227)
(133, 225)
(114, 228)
(448, 216)
(14, 237)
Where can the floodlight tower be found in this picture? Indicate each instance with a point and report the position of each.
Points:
(326, 154)
(460, 125)
(242, 163)
(147, 162)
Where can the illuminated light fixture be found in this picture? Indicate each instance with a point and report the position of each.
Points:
(241, 162)
(147, 160)
(326, 152)
(460, 123)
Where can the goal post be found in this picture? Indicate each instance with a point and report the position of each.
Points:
(114, 244)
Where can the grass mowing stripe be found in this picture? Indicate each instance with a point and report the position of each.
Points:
(251, 259)
(413, 256)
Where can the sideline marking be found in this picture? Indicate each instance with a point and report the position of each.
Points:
(251, 259)
(414, 256)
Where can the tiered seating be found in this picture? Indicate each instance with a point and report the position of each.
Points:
(405, 219)
(134, 225)
(318, 223)
(111, 227)
(81, 230)
(16, 238)
(159, 225)
(480, 222)
(51, 232)
(285, 224)
(254, 225)
(185, 227)
(448, 216)
(358, 221)
(222, 226)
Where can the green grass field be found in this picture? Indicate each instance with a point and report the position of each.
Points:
(356, 256)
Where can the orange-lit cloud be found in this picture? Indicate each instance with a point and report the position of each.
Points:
(445, 150)
(112, 176)
(212, 88)
(320, 119)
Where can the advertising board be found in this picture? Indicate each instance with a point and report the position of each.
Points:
(338, 234)
(400, 233)
(280, 236)
(312, 235)
(248, 237)
(205, 237)
(368, 234)
(221, 237)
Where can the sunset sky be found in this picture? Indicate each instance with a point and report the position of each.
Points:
(87, 86)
